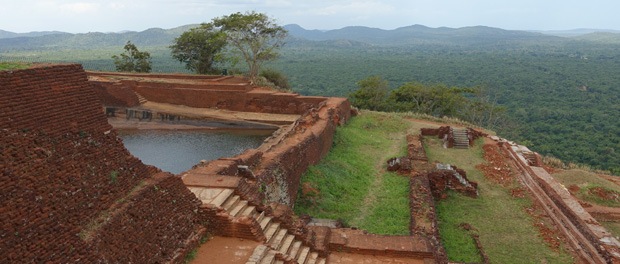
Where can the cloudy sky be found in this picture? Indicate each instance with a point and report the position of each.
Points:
(80, 16)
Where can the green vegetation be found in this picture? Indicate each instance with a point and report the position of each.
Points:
(113, 176)
(612, 226)
(252, 36)
(352, 183)
(601, 195)
(439, 100)
(591, 187)
(274, 79)
(13, 65)
(199, 48)
(562, 97)
(506, 231)
(132, 60)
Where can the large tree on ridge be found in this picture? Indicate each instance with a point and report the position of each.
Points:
(256, 36)
(132, 60)
(199, 48)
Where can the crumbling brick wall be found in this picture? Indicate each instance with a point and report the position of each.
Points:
(224, 92)
(115, 94)
(282, 166)
(63, 172)
(443, 180)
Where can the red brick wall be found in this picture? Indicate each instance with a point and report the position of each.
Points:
(51, 99)
(115, 94)
(229, 99)
(310, 141)
(62, 168)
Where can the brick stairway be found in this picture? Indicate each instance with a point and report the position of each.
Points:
(141, 98)
(461, 139)
(280, 243)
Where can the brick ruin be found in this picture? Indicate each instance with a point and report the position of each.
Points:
(70, 190)
(451, 138)
(74, 193)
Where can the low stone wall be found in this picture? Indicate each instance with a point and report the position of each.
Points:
(421, 201)
(70, 190)
(359, 242)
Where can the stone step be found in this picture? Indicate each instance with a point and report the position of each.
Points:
(277, 239)
(269, 258)
(303, 255)
(265, 222)
(321, 261)
(260, 217)
(141, 98)
(240, 206)
(222, 197)
(259, 252)
(249, 211)
(314, 256)
(231, 202)
(286, 244)
(199, 192)
(295, 249)
(273, 228)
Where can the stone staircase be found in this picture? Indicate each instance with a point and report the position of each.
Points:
(281, 245)
(461, 139)
(141, 98)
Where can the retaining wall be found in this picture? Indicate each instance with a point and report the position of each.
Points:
(70, 191)
(226, 92)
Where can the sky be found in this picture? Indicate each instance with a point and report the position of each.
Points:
(82, 16)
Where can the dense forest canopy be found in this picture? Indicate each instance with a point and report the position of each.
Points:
(562, 94)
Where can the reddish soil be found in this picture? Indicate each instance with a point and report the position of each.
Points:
(496, 169)
(573, 189)
(549, 233)
(220, 249)
(346, 258)
(604, 193)
(518, 192)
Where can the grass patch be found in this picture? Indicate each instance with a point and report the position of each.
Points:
(613, 227)
(592, 188)
(5, 66)
(389, 214)
(506, 231)
(352, 183)
(601, 195)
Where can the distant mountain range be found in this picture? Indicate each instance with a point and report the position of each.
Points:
(348, 36)
(8, 34)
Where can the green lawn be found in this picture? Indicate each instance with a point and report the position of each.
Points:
(506, 231)
(13, 66)
(352, 182)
